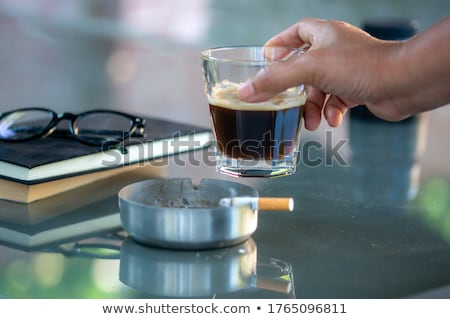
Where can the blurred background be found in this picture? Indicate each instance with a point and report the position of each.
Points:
(143, 56)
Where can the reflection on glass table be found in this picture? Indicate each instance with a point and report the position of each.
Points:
(85, 253)
(203, 273)
(28, 228)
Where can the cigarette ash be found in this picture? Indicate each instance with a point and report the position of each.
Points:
(183, 202)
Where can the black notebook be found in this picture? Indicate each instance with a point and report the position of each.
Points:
(56, 157)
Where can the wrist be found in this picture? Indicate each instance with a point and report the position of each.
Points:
(392, 89)
(420, 72)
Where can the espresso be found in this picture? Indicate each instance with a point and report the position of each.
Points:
(254, 131)
(256, 134)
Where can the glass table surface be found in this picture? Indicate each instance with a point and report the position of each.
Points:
(366, 224)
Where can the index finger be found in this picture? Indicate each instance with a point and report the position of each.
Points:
(299, 34)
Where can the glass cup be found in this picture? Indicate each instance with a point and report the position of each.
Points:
(253, 139)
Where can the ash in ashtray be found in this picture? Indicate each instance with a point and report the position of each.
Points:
(184, 203)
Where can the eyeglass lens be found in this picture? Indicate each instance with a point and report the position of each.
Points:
(102, 126)
(24, 124)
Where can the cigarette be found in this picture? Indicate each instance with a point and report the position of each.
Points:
(260, 203)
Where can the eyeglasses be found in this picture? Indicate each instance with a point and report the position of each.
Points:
(95, 128)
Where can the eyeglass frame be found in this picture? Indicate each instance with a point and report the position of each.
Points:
(136, 129)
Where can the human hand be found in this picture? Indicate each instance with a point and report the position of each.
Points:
(343, 67)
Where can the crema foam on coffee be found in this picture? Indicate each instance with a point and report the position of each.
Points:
(224, 94)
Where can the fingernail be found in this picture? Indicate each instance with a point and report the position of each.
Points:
(246, 91)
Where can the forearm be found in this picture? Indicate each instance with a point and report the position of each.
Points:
(422, 71)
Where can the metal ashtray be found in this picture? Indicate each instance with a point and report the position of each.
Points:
(174, 213)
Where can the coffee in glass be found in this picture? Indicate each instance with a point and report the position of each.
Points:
(253, 139)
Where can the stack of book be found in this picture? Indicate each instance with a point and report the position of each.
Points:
(50, 185)
(43, 167)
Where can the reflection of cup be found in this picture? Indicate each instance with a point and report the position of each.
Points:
(253, 139)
